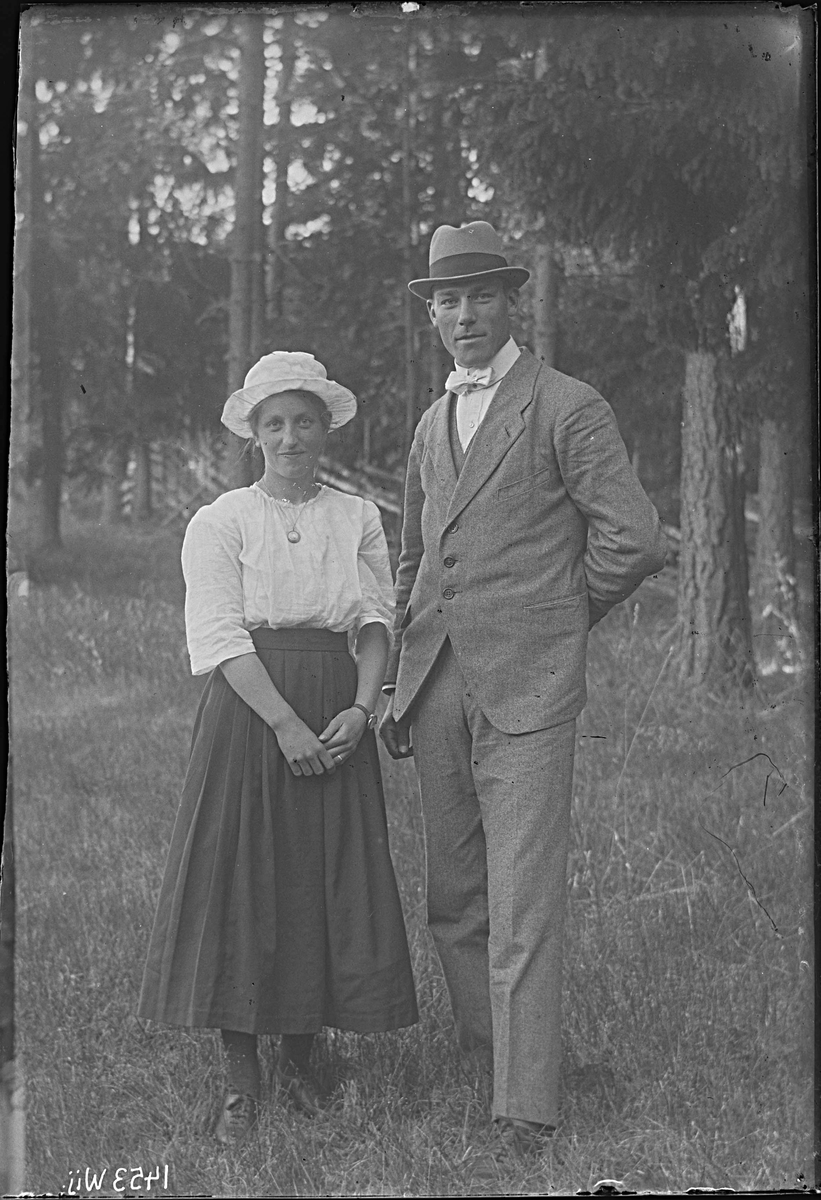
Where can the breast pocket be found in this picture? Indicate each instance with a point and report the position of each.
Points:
(520, 487)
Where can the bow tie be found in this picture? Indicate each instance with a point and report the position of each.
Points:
(469, 379)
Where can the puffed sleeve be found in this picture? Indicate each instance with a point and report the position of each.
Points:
(375, 579)
(214, 608)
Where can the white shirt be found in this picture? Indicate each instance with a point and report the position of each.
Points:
(472, 406)
(242, 572)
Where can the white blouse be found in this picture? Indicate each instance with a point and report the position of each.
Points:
(241, 571)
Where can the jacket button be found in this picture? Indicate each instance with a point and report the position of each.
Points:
(454, 527)
(448, 593)
(450, 562)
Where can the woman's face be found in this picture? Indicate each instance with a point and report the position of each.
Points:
(291, 434)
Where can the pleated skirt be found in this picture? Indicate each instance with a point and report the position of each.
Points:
(279, 910)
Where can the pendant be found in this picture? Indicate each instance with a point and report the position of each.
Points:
(293, 536)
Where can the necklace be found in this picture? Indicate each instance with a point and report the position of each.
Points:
(293, 535)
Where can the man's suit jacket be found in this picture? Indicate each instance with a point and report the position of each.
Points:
(544, 530)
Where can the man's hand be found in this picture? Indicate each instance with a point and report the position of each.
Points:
(395, 734)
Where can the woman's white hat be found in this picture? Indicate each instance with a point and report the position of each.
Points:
(287, 371)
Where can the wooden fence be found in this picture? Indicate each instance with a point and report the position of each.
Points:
(187, 473)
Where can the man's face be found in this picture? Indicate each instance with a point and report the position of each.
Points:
(473, 319)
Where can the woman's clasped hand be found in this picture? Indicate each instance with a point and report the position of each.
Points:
(344, 732)
(308, 754)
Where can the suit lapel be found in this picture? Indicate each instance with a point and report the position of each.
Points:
(502, 425)
(439, 447)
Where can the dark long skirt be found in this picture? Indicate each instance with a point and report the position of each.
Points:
(279, 911)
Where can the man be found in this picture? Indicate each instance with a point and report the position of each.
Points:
(524, 524)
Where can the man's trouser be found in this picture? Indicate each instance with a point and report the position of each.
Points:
(496, 809)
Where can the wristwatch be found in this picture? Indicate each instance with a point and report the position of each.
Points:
(371, 716)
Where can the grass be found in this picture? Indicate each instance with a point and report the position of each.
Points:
(688, 986)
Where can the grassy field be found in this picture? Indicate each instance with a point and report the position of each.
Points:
(688, 1053)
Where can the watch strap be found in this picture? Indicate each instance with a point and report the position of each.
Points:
(371, 717)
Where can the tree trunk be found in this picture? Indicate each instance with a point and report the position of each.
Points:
(438, 365)
(275, 267)
(48, 397)
(545, 303)
(259, 337)
(443, 130)
(46, 449)
(142, 507)
(111, 489)
(774, 590)
(245, 254)
(713, 601)
(545, 290)
(21, 432)
(411, 402)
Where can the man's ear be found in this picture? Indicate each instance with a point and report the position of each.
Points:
(513, 301)
(431, 314)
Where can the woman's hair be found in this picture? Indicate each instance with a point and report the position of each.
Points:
(324, 415)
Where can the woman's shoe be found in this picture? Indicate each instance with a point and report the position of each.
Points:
(238, 1116)
(524, 1137)
(299, 1091)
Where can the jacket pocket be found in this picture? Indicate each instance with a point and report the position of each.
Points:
(557, 618)
(565, 602)
(518, 488)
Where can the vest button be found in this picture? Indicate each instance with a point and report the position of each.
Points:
(450, 562)
(448, 593)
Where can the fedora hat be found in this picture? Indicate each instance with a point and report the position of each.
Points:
(287, 371)
(473, 252)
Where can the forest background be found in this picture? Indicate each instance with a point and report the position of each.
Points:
(197, 186)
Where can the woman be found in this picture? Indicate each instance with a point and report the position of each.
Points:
(279, 912)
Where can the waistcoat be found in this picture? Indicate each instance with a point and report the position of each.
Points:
(455, 445)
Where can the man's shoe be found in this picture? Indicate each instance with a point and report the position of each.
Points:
(238, 1116)
(299, 1091)
(514, 1141)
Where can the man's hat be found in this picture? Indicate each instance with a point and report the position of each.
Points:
(474, 251)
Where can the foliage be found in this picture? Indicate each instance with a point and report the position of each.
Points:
(356, 233)
(664, 156)
(130, 205)
(675, 145)
(670, 152)
(604, 339)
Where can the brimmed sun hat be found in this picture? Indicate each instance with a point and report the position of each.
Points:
(456, 255)
(287, 371)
